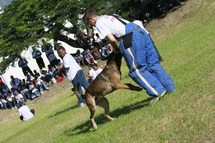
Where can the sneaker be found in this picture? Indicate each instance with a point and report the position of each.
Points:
(12, 108)
(81, 104)
(154, 100)
(162, 94)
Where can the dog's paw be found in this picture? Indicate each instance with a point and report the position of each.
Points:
(109, 118)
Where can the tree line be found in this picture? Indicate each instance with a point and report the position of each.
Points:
(23, 23)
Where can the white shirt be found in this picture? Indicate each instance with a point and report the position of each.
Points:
(108, 24)
(93, 73)
(69, 62)
(25, 112)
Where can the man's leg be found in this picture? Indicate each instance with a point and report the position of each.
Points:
(76, 83)
(136, 57)
(156, 68)
(163, 77)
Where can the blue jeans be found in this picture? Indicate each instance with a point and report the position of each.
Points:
(78, 82)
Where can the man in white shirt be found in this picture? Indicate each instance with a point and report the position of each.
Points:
(137, 49)
(24, 112)
(74, 73)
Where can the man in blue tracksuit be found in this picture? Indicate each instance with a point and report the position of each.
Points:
(138, 51)
(143, 62)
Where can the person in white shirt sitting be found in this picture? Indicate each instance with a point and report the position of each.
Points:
(24, 112)
(33, 90)
(94, 70)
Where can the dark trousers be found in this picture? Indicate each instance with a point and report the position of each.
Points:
(40, 63)
(27, 69)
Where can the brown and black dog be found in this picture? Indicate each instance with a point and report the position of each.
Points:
(106, 82)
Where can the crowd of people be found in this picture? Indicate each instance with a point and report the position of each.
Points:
(99, 50)
(120, 34)
(36, 82)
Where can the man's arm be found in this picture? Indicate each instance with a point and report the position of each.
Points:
(113, 41)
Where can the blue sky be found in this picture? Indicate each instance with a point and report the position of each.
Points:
(4, 2)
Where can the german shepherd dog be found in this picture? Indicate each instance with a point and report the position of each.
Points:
(106, 82)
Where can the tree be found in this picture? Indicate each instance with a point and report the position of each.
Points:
(23, 22)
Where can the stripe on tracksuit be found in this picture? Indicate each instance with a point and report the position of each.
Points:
(139, 75)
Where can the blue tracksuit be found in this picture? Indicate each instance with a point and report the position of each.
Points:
(143, 62)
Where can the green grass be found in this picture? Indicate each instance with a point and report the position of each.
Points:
(186, 40)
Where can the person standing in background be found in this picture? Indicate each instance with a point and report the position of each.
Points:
(74, 73)
(23, 63)
(48, 49)
(37, 55)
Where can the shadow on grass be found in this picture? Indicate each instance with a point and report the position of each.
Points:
(63, 111)
(87, 126)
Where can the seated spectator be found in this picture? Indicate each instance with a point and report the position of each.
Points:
(3, 103)
(105, 51)
(26, 93)
(15, 82)
(23, 82)
(33, 90)
(5, 90)
(40, 85)
(88, 57)
(11, 101)
(1, 84)
(47, 77)
(94, 71)
(24, 112)
(14, 91)
(51, 71)
(19, 98)
(79, 58)
(95, 52)
(59, 70)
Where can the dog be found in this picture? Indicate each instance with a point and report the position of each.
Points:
(106, 82)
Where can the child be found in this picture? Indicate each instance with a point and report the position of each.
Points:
(40, 85)
(19, 98)
(11, 100)
(33, 89)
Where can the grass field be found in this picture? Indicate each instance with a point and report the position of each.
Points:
(186, 40)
